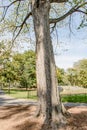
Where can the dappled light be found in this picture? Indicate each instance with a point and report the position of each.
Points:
(30, 78)
(22, 117)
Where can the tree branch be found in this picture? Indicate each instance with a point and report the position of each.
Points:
(71, 11)
(62, 17)
(53, 27)
(78, 10)
(58, 1)
(20, 27)
(6, 7)
(17, 10)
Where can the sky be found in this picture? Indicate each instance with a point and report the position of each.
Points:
(71, 47)
(74, 53)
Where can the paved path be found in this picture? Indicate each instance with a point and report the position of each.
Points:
(7, 100)
(1, 92)
(71, 104)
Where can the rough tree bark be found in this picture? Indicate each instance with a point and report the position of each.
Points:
(50, 107)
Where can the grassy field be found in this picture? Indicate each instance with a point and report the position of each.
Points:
(80, 98)
(22, 94)
(68, 95)
(74, 94)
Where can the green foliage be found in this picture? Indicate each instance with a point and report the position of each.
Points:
(81, 64)
(81, 68)
(19, 70)
(5, 72)
(24, 65)
(72, 76)
(61, 77)
(78, 74)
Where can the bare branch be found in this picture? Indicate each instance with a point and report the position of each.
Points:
(58, 1)
(4, 14)
(53, 27)
(71, 11)
(17, 10)
(26, 26)
(62, 17)
(78, 10)
(20, 27)
(70, 28)
(6, 7)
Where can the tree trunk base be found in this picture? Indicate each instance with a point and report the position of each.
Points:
(54, 125)
(65, 112)
(49, 124)
(57, 123)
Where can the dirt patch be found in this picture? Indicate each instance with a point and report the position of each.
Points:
(21, 118)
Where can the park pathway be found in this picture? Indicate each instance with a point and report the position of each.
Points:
(6, 100)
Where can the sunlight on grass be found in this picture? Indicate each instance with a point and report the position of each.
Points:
(22, 94)
(82, 98)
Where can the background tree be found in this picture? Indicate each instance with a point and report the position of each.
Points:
(19, 71)
(24, 67)
(81, 68)
(5, 55)
(78, 73)
(72, 76)
(62, 77)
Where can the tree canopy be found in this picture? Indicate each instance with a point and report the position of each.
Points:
(21, 14)
(19, 71)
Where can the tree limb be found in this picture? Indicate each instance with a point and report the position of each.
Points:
(20, 26)
(62, 17)
(6, 7)
(53, 27)
(71, 11)
(78, 10)
(58, 1)
(17, 10)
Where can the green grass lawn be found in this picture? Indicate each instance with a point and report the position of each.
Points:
(22, 94)
(80, 98)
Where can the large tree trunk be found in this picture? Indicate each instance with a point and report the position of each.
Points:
(50, 107)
